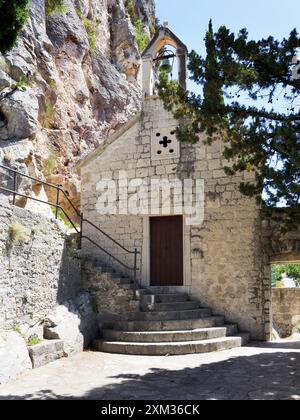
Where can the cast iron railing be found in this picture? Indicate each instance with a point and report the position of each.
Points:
(60, 192)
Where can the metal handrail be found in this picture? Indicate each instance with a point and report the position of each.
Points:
(48, 184)
(83, 220)
(43, 202)
(109, 237)
(108, 253)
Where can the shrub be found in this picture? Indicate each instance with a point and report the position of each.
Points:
(90, 27)
(17, 234)
(53, 85)
(22, 84)
(292, 270)
(130, 9)
(7, 157)
(142, 38)
(63, 218)
(50, 164)
(33, 340)
(47, 114)
(54, 6)
(17, 329)
(13, 16)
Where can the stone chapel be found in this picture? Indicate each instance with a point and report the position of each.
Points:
(203, 240)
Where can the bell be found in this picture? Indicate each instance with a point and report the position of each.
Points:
(166, 66)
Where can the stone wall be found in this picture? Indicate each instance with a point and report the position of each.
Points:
(225, 264)
(42, 293)
(286, 310)
(37, 273)
(111, 300)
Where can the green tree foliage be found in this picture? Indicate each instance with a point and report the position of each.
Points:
(13, 16)
(249, 92)
(292, 270)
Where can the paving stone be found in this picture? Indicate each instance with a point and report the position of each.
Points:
(262, 371)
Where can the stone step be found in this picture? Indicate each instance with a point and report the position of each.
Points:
(169, 297)
(161, 290)
(171, 349)
(170, 315)
(119, 276)
(123, 281)
(127, 286)
(170, 336)
(171, 325)
(175, 306)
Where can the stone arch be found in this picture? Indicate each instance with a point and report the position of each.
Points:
(163, 37)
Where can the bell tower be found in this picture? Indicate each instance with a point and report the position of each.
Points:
(157, 52)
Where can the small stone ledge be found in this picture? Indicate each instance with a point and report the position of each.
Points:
(46, 352)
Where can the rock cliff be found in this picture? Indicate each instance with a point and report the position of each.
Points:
(71, 80)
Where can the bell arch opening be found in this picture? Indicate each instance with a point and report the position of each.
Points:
(164, 51)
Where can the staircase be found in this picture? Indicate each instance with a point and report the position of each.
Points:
(167, 323)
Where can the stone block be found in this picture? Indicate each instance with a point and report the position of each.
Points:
(46, 352)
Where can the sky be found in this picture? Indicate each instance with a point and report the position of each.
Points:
(189, 18)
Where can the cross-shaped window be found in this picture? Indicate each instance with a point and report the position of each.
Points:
(165, 142)
(164, 145)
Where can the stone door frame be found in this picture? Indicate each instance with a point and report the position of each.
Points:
(187, 272)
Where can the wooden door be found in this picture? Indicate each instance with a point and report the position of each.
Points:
(166, 251)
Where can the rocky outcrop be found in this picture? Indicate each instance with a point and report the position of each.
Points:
(14, 357)
(71, 81)
(74, 322)
(145, 10)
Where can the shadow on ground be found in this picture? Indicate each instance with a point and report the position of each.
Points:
(266, 376)
(289, 345)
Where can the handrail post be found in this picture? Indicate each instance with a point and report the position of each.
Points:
(135, 270)
(81, 231)
(15, 188)
(57, 202)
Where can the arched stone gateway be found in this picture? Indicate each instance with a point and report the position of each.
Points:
(283, 245)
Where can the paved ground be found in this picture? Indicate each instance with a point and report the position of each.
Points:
(262, 371)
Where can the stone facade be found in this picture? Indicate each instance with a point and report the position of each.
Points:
(286, 310)
(225, 264)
